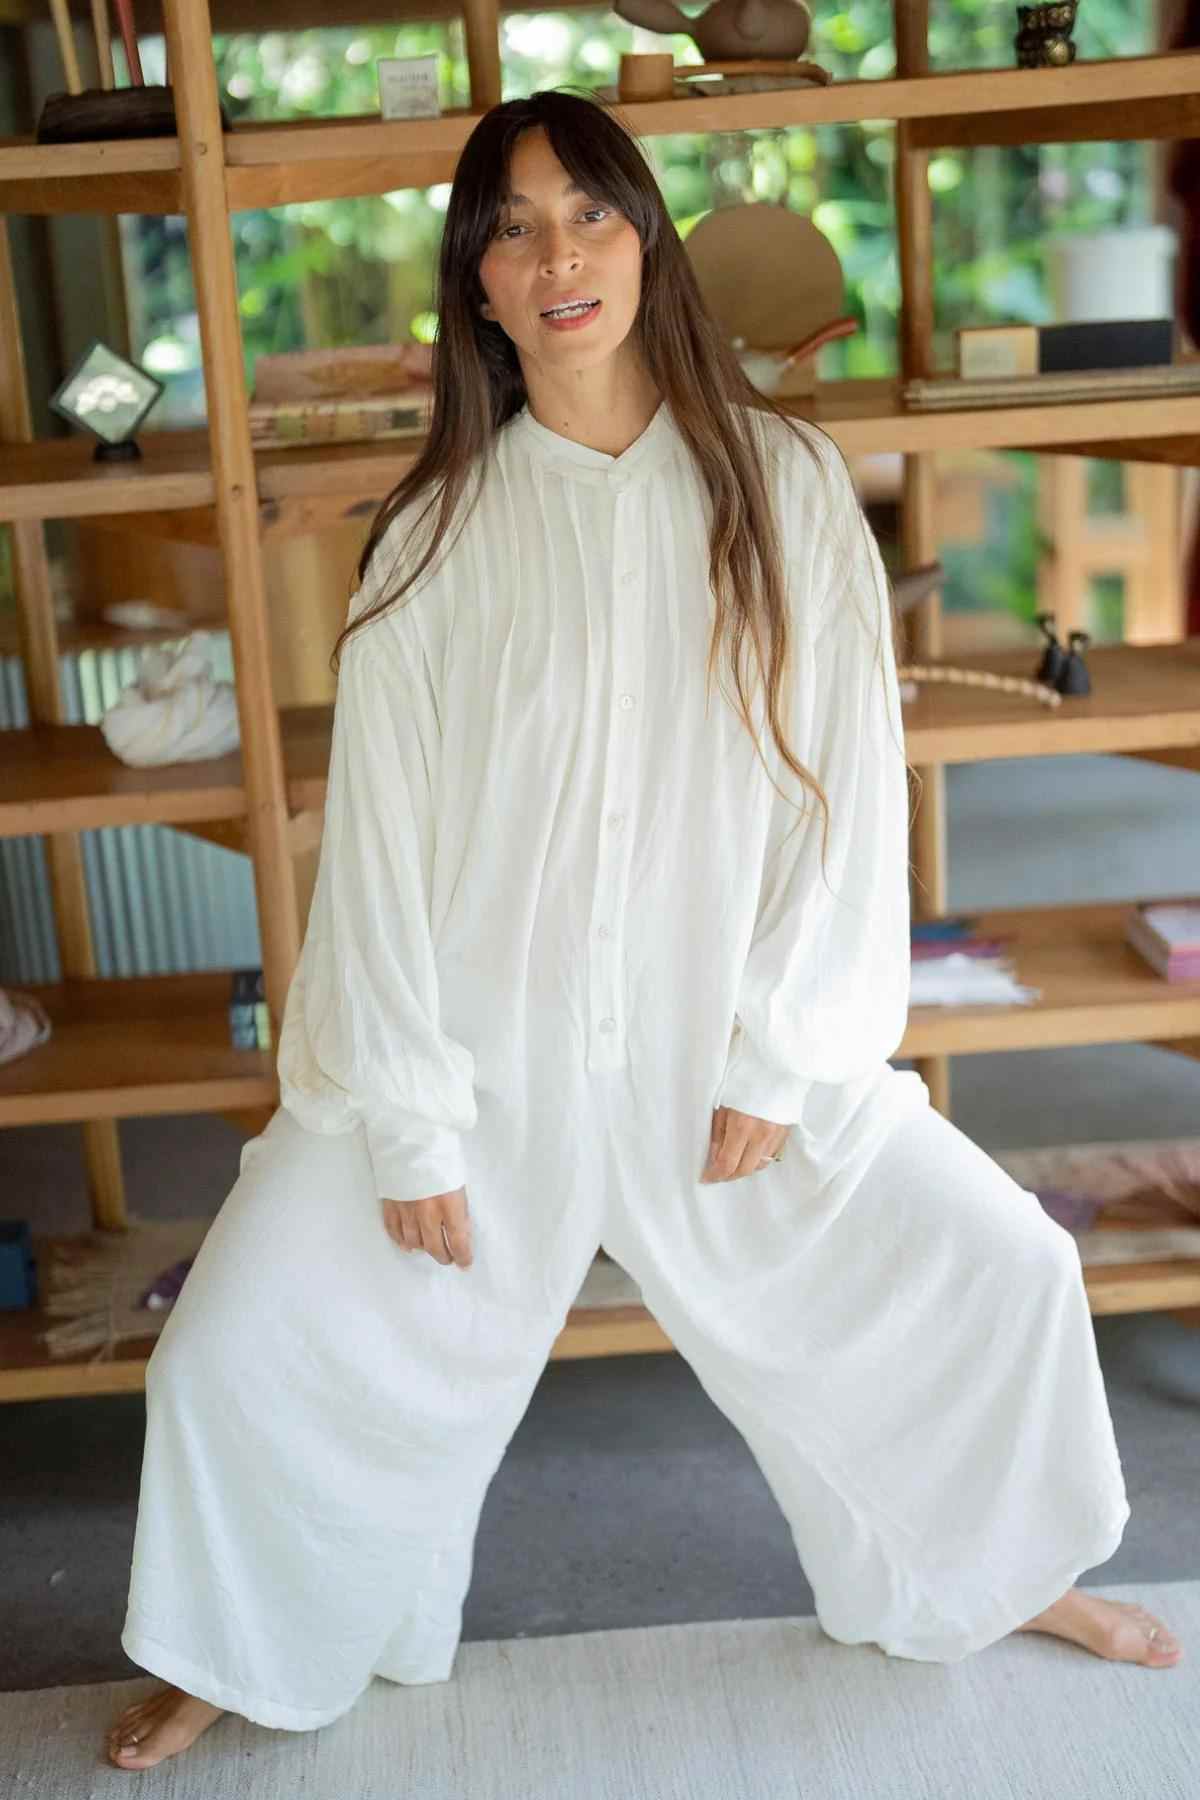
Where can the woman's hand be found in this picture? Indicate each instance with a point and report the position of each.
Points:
(440, 1224)
(741, 1144)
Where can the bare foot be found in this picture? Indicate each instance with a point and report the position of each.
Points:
(151, 1730)
(1119, 1630)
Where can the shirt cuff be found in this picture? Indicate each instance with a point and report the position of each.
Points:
(753, 1085)
(412, 1159)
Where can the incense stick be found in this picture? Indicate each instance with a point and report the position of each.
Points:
(124, 10)
(103, 37)
(66, 45)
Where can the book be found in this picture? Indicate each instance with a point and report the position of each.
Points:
(283, 423)
(1166, 934)
(950, 391)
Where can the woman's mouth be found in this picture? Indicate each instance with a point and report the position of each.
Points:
(569, 318)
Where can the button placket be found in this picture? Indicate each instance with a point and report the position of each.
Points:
(607, 1044)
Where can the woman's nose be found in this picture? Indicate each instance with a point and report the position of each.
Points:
(559, 252)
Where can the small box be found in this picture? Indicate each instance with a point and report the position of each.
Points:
(408, 87)
(1105, 344)
(996, 350)
(18, 1266)
(249, 1017)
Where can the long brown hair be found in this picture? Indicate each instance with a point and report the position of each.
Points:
(478, 385)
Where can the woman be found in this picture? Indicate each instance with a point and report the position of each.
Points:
(569, 935)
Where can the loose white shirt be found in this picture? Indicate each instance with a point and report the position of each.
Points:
(547, 863)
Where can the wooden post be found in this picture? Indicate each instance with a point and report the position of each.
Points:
(481, 19)
(202, 161)
(914, 226)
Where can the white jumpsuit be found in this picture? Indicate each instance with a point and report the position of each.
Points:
(555, 926)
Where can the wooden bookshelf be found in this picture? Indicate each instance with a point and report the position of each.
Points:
(160, 1044)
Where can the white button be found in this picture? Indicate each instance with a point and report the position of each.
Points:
(627, 700)
(629, 577)
(616, 819)
(603, 932)
(608, 1024)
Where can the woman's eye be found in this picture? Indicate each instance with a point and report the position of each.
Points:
(506, 229)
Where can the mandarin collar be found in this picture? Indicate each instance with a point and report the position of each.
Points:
(646, 453)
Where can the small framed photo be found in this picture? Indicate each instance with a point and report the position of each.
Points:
(108, 396)
(408, 87)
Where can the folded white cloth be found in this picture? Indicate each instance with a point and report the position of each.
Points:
(958, 980)
(24, 1023)
(175, 711)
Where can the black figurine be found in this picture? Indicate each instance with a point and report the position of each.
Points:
(1054, 657)
(1074, 678)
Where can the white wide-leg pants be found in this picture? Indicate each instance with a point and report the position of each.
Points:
(909, 1354)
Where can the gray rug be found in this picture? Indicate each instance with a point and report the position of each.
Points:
(726, 1711)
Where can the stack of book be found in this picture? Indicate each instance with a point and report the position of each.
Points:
(1038, 390)
(1167, 934)
(953, 964)
(341, 395)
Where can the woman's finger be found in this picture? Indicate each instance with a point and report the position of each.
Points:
(741, 1145)
(410, 1228)
(429, 1221)
(456, 1224)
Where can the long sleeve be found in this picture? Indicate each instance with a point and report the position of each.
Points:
(824, 994)
(361, 1039)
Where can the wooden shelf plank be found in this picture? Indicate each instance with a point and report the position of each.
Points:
(65, 778)
(1142, 1287)
(1146, 702)
(58, 478)
(867, 415)
(28, 1373)
(118, 175)
(125, 1048)
(91, 633)
(1095, 989)
(863, 416)
(160, 1044)
(1145, 696)
(1159, 116)
(270, 164)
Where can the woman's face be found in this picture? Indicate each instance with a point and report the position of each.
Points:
(550, 245)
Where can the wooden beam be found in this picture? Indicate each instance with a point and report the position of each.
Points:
(189, 37)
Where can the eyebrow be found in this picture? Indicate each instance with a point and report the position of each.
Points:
(571, 188)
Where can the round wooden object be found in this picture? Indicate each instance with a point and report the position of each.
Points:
(646, 75)
(767, 274)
